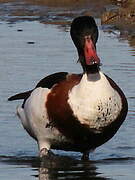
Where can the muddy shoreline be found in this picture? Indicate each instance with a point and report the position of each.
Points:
(122, 17)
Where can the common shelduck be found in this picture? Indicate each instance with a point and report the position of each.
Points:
(74, 112)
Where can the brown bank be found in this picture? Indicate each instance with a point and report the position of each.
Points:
(122, 17)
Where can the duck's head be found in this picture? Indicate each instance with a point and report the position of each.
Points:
(84, 33)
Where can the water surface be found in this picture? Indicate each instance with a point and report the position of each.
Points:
(30, 50)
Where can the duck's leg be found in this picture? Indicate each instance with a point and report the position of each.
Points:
(44, 149)
(44, 152)
(85, 155)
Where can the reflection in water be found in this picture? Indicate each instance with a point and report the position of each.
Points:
(64, 167)
(131, 41)
(67, 168)
(60, 167)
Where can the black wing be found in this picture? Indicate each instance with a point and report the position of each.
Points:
(23, 95)
(52, 79)
(47, 82)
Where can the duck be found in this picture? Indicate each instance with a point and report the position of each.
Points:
(74, 112)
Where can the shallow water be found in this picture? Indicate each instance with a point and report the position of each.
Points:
(30, 50)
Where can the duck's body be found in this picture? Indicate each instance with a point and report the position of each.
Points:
(76, 112)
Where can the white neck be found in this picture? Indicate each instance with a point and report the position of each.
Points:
(92, 83)
(92, 77)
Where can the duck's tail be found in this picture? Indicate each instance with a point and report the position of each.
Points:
(23, 95)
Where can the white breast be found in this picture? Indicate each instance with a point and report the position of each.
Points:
(94, 102)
